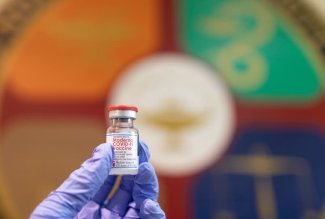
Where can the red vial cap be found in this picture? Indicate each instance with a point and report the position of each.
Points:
(123, 107)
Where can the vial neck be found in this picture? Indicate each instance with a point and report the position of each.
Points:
(122, 122)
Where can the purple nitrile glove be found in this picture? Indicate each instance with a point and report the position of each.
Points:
(83, 194)
(142, 188)
(67, 200)
(145, 192)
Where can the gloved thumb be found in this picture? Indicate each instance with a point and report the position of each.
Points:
(82, 184)
(145, 193)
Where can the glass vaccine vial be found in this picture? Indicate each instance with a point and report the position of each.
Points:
(124, 138)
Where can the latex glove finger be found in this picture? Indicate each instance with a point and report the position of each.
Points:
(93, 208)
(144, 154)
(132, 212)
(145, 184)
(151, 210)
(121, 199)
(67, 200)
(90, 210)
(94, 211)
(145, 192)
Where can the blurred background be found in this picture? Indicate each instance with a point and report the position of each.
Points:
(230, 96)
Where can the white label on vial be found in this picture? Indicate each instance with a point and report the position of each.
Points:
(125, 150)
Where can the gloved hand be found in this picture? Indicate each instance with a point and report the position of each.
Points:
(83, 194)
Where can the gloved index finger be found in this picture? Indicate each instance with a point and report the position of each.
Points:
(145, 193)
(144, 154)
(145, 184)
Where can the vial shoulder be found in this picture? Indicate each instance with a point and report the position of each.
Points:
(120, 130)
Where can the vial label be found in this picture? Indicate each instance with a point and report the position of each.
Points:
(125, 150)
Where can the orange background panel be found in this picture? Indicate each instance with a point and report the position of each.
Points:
(38, 153)
(73, 53)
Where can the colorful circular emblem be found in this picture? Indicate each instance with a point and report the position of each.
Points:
(186, 111)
